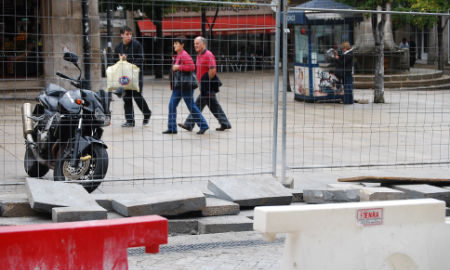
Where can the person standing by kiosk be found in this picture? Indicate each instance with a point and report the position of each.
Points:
(131, 50)
(344, 69)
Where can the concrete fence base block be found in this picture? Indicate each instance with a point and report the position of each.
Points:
(399, 234)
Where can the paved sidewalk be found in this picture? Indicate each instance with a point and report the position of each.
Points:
(237, 250)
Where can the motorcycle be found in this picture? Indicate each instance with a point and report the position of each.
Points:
(64, 130)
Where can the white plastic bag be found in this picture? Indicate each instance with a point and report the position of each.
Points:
(122, 74)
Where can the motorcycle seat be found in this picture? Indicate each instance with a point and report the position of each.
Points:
(54, 90)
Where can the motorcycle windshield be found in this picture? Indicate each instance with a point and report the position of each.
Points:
(67, 104)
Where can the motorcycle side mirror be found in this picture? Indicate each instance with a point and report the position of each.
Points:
(71, 57)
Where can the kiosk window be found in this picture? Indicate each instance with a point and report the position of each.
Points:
(301, 44)
(323, 37)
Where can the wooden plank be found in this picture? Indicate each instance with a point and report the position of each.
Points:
(391, 180)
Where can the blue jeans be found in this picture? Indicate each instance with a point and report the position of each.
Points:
(188, 97)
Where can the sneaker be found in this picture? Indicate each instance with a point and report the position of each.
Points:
(170, 132)
(128, 124)
(202, 131)
(222, 128)
(185, 127)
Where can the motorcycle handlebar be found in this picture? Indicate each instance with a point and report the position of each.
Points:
(64, 76)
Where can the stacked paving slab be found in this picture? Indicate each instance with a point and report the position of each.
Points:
(227, 204)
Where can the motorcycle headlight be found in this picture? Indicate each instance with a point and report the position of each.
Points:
(102, 118)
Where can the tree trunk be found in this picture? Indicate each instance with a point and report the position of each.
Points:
(211, 26)
(440, 32)
(378, 22)
(159, 48)
(203, 11)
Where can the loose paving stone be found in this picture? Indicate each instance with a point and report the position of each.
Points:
(425, 191)
(251, 192)
(329, 195)
(183, 226)
(105, 199)
(218, 207)
(78, 213)
(165, 203)
(345, 186)
(13, 221)
(45, 195)
(381, 194)
(15, 205)
(223, 224)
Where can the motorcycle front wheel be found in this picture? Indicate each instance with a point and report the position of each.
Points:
(92, 168)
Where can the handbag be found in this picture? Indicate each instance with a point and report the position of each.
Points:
(185, 81)
(122, 75)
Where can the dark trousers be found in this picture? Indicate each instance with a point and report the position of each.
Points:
(210, 100)
(128, 97)
(348, 89)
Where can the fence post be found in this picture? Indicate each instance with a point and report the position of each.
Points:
(275, 90)
(285, 74)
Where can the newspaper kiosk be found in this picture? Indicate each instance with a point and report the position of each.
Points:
(316, 34)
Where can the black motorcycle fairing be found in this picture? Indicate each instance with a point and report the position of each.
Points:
(86, 141)
(54, 90)
(51, 102)
(93, 100)
(67, 104)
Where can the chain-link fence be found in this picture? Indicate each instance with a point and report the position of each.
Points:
(310, 127)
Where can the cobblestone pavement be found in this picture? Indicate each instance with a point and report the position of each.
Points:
(235, 250)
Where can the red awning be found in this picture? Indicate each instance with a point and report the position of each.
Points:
(225, 25)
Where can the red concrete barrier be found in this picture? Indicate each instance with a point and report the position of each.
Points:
(91, 245)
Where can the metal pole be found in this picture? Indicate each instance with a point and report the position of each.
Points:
(285, 73)
(108, 32)
(362, 11)
(275, 90)
(86, 45)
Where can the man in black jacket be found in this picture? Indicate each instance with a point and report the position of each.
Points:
(131, 50)
(209, 86)
(344, 69)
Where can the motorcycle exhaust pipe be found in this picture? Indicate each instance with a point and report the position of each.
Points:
(27, 123)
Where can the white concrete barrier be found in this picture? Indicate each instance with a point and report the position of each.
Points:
(404, 234)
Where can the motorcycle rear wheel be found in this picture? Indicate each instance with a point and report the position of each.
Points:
(93, 168)
(32, 167)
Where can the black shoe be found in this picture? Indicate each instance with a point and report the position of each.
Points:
(185, 127)
(170, 132)
(222, 128)
(146, 119)
(202, 131)
(128, 124)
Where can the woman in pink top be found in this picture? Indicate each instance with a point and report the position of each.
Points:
(183, 63)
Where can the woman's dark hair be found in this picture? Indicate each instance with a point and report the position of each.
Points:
(179, 39)
(125, 29)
